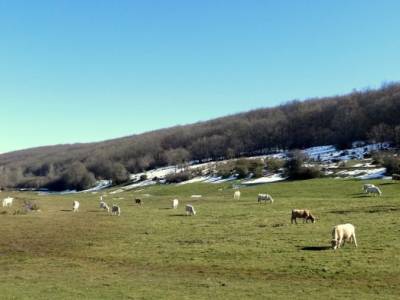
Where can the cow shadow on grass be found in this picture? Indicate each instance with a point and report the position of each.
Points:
(66, 210)
(360, 195)
(178, 215)
(255, 203)
(315, 248)
(368, 209)
(387, 183)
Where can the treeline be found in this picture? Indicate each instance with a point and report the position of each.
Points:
(361, 115)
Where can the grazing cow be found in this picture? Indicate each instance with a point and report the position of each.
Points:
(190, 210)
(195, 196)
(304, 214)
(373, 190)
(104, 206)
(265, 197)
(175, 203)
(138, 201)
(75, 206)
(115, 210)
(342, 233)
(236, 195)
(366, 186)
(7, 202)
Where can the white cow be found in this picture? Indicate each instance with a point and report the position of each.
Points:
(7, 202)
(190, 210)
(373, 190)
(104, 206)
(342, 233)
(236, 195)
(265, 197)
(75, 206)
(115, 210)
(366, 186)
(175, 203)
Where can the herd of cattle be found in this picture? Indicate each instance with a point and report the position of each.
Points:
(340, 233)
(116, 210)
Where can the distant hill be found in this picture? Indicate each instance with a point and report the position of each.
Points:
(361, 115)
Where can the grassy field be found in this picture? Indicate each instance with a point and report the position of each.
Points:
(230, 250)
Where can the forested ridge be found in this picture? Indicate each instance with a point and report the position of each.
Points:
(372, 115)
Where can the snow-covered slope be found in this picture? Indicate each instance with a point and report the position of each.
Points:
(327, 156)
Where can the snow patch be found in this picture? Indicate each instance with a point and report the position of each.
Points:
(265, 179)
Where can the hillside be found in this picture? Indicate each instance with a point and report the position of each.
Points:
(361, 115)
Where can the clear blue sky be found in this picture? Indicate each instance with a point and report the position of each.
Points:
(89, 70)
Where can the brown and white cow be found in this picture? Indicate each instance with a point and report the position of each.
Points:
(304, 214)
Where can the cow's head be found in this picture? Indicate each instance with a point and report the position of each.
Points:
(334, 244)
(312, 218)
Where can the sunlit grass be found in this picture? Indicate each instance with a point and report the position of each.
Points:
(230, 250)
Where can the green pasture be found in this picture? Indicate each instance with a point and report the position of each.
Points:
(229, 250)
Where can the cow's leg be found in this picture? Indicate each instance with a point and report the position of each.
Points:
(354, 239)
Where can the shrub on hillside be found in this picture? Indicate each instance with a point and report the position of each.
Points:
(392, 164)
(307, 173)
(119, 174)
(101, 168)
(177, 177)
(377, 158)
(273, 165)
(242, 167)
(255, 167)
(225, 169)
(33, 182)
(76, 177)
(388, 160)
(396, 176)
(295, 169)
